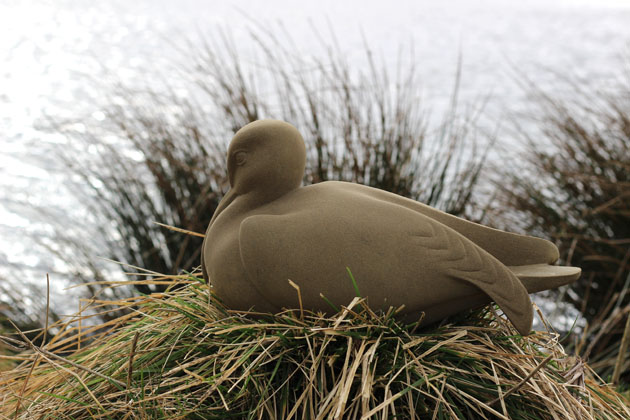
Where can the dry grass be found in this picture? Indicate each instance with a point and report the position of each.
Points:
(6, 355)
(174, 356)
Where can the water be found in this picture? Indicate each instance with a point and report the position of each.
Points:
(52, 51)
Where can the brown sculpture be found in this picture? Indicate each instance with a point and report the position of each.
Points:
(268, 229)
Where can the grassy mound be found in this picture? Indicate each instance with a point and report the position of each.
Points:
(174, 356)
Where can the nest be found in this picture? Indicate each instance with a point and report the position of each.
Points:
(171, 355)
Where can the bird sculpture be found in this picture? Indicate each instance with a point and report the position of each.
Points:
(268, 229)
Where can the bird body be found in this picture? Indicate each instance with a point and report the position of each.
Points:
(401, 252)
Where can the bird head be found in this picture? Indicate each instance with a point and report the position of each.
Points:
(266, 159)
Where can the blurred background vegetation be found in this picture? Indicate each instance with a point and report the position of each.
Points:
(159, 157)
(576, 192)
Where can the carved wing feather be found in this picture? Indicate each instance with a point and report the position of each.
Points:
(463, 260)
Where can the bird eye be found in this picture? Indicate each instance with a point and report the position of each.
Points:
(240, 158)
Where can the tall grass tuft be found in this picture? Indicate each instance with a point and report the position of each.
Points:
(158, 156)
(576, 191)
(177, 357)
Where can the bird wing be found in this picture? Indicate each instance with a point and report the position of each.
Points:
(392, 251)
(509, 248)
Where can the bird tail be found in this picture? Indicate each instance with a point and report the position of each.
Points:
(538, 277)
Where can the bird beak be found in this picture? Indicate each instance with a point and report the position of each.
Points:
(225, 201)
